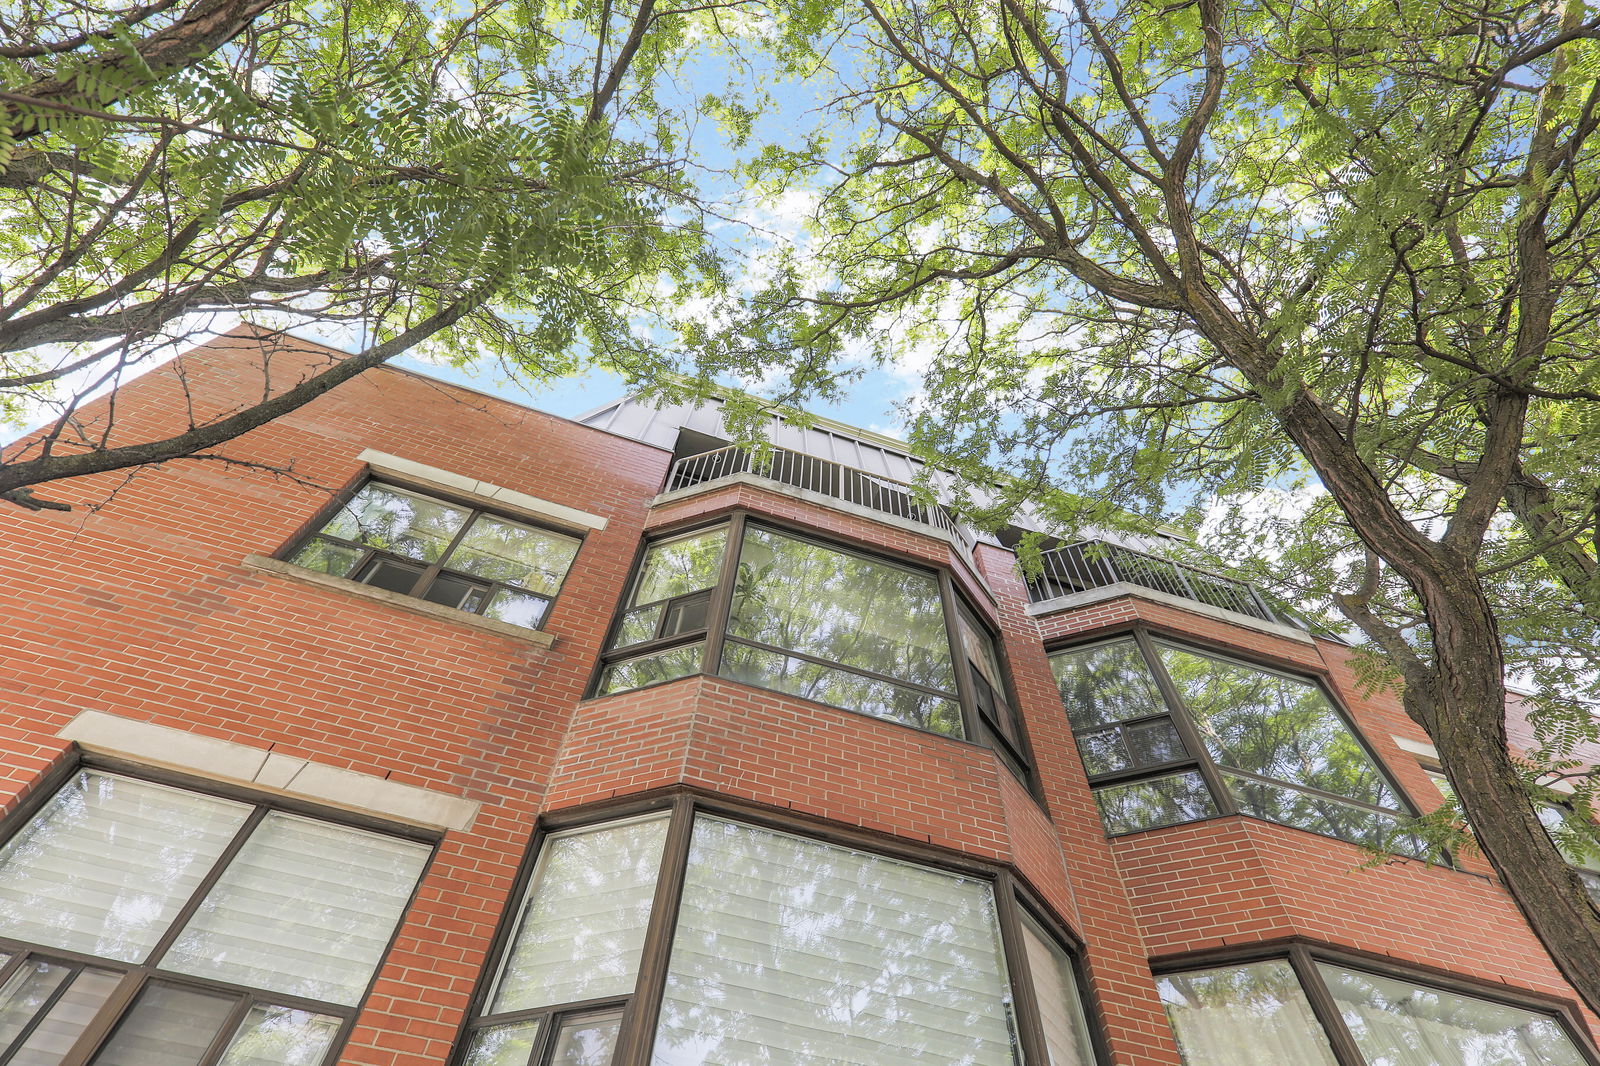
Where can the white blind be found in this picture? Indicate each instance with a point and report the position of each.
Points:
(106, 865)
(1055, 987)
(1251, 1015)
(280, 1036)
(504, 1045)
(305, 907)
(58, 1030)
(583, 923)
(1398, 1023)
(790, 952)
(168, 1026)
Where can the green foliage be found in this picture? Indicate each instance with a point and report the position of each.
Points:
(363, 162)
(1370, 204)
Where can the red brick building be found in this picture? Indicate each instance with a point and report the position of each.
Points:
(489, 737)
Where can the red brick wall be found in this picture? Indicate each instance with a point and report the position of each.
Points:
(1232, 881)
(138, 603)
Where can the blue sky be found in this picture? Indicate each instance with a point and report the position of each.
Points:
(870, 404)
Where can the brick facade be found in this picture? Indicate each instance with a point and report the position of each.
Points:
(141, 602)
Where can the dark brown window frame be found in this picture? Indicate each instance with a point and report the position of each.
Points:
(1302, 954)
(1199, 759)
(680, 804)
(138, 976)
(430, 571)
(977, 729)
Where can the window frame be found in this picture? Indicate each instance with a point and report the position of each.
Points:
(977, 729)
(681, 805)
(135, 977)
(430, 571)
(1303, 954)
(1199, 760)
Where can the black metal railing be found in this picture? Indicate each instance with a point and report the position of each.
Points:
(1093, 564)
(822, 476)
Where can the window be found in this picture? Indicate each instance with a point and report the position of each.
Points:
(1170, 734)
(147, 923)
(778, 610)
(755, 944)
(1569, 830)
(1279, 1011)
(446, 553)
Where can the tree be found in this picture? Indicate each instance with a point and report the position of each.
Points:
(501, 180)
(1340, 254)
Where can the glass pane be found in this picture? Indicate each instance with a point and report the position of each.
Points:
(841, 607)
(1154, 742)
(637, 625)
(1251, 1015)
(452, 591)
(652, 669)
(504, 1045)
(686, 616)
(675, 567)
(587, 1041)
(306, 908)
(531, 558)
(517, 608)
(789, 950)
(1158, 801)
(1102, 752)
(980, 649)
(841, 688)
(328, 557)
(391, 575)
(1055, 986)
(108, 862)
(1106, 683)
(1276, 726)
(398, 521)
(25, 993)
(1319, 814)
(59, 1030)
(1572, 834)
(281, 1036)
(168, 1026)
(582, 924)
(1398, 1023)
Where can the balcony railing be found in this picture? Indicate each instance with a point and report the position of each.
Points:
(799, 470)
(1095, 564)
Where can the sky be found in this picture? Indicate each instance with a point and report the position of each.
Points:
(870, 405)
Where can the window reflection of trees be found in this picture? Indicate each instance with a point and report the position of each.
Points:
(789, 951)
(1258, 1014)
(1274, 743)
(843, 608)
(1105, 684)
(1274, 726)
(1250, 1015)
(302, 907)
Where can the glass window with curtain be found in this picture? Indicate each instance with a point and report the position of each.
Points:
(577, 941)
(1169, 733)
(446, 553)
(782, 948)
(125, 886)
(1260, 1014)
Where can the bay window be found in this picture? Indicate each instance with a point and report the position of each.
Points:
(1313, 1009)
(780, 610)
(1170, 733)
(141, 922)
(694, 938)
